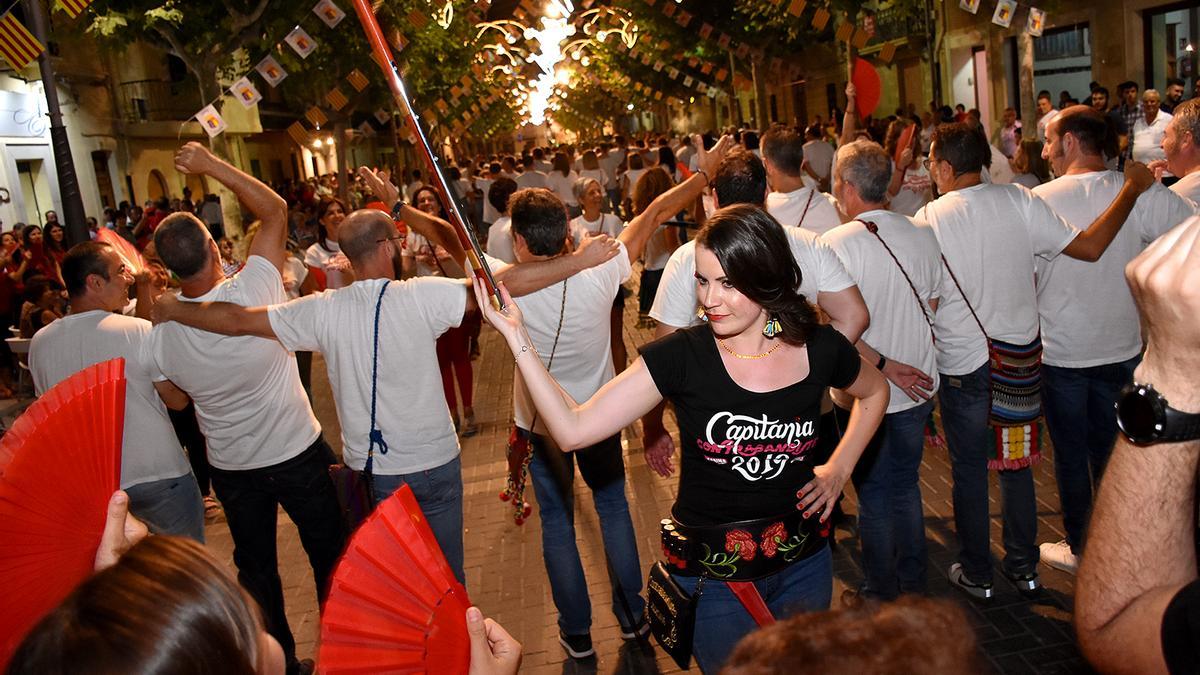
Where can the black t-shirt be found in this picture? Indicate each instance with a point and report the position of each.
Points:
(1180, 630)
(744, 454)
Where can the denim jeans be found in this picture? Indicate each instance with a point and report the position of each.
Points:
(169, 506)
(1082, 421)
(553, 476)
(251, 499)
(965, 401)
(721, 620)
(439, 491)
(891, 523)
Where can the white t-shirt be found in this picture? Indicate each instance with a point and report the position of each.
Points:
(490, 214)
(609, 164)
(989, 234)
(149, 448)
(294, 271)
(596, 174)
(819, 156)
(609, 224)
(1188, 187)
(583, 358)
(631, 179)
(330, 261)
(531, 179)
(249, 400)
(1000, 171)
(789, 208)
(410, 409)
(500, 240)
(1088, 314)
(1026, 180)
(821, 272)
(1045, 122)
(416, 244)
(899, 327)
(1147, 138)
(914, 191)
(563, 186)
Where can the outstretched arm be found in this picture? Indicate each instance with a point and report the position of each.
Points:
(637, 233)
(850, 119)
(1090, 244)
(618, 403)
(268, 207)
(529, 277)
(224, 318)
(436, 230)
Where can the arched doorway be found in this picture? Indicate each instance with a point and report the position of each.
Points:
(198, 186)
(156, 186)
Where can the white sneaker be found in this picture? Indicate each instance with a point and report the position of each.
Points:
(1059, 556)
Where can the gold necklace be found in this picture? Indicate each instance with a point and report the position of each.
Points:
(748, 356)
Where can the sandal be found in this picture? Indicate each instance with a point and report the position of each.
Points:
(212, 507)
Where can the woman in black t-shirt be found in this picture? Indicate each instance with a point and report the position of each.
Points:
(746, 387)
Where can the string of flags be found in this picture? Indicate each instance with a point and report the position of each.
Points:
(1006, 11)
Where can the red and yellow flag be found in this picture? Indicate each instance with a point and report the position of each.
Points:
(74, 7)
(17, 45)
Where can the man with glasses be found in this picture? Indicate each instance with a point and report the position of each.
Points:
(990, 235)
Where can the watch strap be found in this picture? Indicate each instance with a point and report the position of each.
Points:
(1180, 426)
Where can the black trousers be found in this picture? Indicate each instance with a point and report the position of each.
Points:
(251, 499)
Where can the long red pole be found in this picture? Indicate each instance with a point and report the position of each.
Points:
(466, 235)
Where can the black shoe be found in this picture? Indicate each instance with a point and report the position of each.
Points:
(305, 667)
(578, 646)
(1028, 584)
(977, 590)
(641, 630)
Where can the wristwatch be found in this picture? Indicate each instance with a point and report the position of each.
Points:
(397, 207)
(1145, 417)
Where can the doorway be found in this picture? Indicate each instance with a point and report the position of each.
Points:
(35, 188)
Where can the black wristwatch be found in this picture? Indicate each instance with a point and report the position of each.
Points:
(1145, 417)
(397, 207)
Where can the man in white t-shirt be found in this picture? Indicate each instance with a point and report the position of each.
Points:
(1091, 335)
(264, 443)
(897, 267)
(791, 202)
(154, 472)
(1181, 144)
(1046, 114)
(989, 235)
(818, 157)
(610, 161)
(740, 178)
(531, 177)
(1150, 129)
(569, 326)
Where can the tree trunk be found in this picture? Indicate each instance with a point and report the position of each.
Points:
(210, 90)
(342, 170)
(1025, 73)
(760, 96)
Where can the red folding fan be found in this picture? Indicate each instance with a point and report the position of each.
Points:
(59, 465)
(128, 252)
(394, 605)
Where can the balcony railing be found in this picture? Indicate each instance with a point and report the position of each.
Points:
(894, 24)
(157, 100)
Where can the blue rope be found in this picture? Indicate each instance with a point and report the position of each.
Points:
(376, 435)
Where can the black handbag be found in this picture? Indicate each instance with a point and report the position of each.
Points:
(671, 612)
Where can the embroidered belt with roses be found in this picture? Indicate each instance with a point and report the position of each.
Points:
(744, 550)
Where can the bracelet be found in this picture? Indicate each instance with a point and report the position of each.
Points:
(524, 348)
(882, 362)
(704, 173)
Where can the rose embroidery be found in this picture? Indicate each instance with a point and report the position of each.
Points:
(771, 538)
(741, 543)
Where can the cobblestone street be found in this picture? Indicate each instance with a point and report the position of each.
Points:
(506, 578)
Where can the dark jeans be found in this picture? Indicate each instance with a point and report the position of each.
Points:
(252, 498)
(647, 289)
(602, 466)
(439, 493)
(891, 523)
(1082, 419)
(965, 401)
(187, 430)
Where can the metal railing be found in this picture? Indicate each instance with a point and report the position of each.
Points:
(893, 24)
(157, 100)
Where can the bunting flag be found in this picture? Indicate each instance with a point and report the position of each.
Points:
(1037, 21)
(366, 129)
(357, 80)
(1005, 9)
(844, 32)
(315, 116)
(300, 41)
(723, 41)
(330, 13)
(860, 38)
(971, 6)
(796, 8)
(742, 50)
(683, 19)
(211, 120)
(382, 116)
(888, 52)
(74, 8)
(336, 99)
(17, 44)
(668, 9)
(245, 92)
(418, 19)
(299, 134)
(271, 71)
(706, 30)
(820, 19)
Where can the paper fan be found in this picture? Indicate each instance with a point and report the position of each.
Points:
(128, 252)
(59, 465)
(869, 88)
(394, 605)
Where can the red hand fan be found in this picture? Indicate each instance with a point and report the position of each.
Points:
(394, 605)
(869, 88)
(128, 252)
(59, 465)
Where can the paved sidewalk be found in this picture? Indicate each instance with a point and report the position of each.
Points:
(506, 578)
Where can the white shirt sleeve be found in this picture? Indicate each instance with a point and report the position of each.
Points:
(299, 324)
(675, 302)
(1048, 232)
(258, 283)
(441, 302)
(831, 273)
(1166, 210)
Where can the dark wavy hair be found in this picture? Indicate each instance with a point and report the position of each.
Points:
(323, 207)
(757, 259)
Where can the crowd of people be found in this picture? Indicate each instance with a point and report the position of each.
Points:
(814, 291)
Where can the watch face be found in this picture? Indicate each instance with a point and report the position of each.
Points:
(1140, 414)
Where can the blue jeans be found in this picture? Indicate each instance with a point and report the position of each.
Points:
(965, 401)
(891, 523)
(722, 621)
(439, 491)
(603, 470)
(169, 506)
(1082, 421)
